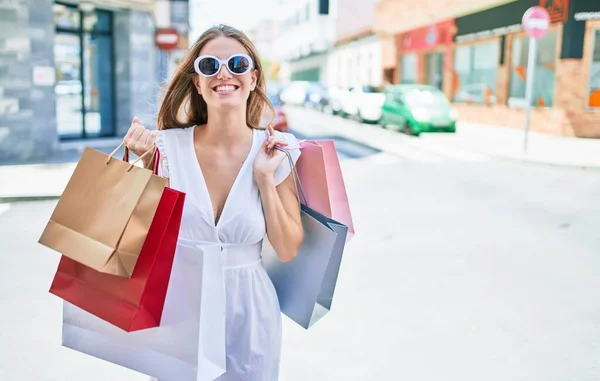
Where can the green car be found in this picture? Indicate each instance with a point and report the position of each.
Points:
(417, 108)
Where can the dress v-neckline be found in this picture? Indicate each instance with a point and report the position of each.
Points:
(215, 223)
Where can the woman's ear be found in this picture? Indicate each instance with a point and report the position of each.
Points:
(254, 80)
(196, 80)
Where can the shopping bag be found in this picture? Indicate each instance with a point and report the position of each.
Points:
(305, 286)
(189, 344)
(320, 174)
(105, 212)
(129, 303)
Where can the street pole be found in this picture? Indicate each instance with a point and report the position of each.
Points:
(530, 74)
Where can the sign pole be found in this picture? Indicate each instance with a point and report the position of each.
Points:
(532, 57)
(536, 22)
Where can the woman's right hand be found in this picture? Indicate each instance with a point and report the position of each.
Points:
(139, 139)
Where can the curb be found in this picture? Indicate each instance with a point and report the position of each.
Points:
(21, 199)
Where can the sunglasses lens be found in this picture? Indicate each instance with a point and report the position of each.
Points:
(208, 66)
(238, 64)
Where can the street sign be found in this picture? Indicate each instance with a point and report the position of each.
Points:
(536, 22)
(166, 38)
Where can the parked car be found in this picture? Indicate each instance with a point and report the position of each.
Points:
(317, 96)
(415, 109)
(295, 93)
(363, 103)
(280, 120)
(334, 102)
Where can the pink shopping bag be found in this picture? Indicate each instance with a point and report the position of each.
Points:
(321, 178)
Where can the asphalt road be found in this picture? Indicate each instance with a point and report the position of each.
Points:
(461, 270)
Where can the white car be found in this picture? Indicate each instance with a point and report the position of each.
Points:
(363, 103)
(295, 93)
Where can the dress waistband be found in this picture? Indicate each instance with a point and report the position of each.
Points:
(232, 255)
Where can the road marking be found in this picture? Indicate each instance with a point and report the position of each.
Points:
(4, 208)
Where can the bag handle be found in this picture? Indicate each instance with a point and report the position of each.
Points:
(152, 164)
(297, 183)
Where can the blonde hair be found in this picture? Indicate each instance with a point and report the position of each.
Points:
(183, 107)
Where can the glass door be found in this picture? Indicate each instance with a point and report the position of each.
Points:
(83, 54)
(68, 89)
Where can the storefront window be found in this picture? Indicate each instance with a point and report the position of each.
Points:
(435, 69)
(543, 87)
(83, 48)
(594, 84)
(408, 73)
(476, 67)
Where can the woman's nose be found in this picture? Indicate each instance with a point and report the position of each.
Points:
(223, 73)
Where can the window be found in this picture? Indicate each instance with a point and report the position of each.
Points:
(83, 48)
(435, 69)
(408, 70)
(476, 67)
(594, 83)
(543, 86)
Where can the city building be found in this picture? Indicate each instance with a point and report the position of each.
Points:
(476, 52)
(74, 70)
(356, 56)
(305, 34)
(264, 37)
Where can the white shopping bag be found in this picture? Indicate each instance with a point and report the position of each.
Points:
(189, 345)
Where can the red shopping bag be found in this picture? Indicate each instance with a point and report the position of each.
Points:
(321, 177)
(129, 303)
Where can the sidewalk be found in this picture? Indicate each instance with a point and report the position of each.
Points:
(508, 143)
(471, 140)
(46, 181)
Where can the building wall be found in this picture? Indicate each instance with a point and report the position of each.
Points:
(28, 117)
(27, 112)
(316, 62)
(137, 92)
(356, 62)
(140, 5)
(302, 31)
(397, 16)
(353, 17)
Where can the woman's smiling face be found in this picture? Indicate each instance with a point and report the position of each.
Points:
(225, 90)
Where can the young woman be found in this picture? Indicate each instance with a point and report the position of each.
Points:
(238, 187)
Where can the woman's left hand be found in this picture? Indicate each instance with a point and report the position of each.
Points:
(267, 160)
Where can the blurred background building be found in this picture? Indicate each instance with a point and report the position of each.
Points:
(476, 51)
(306, 33)
(356, 55)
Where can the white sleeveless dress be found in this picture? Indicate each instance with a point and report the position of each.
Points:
(252, 315)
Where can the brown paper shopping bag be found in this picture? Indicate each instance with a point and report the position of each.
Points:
(105, 212)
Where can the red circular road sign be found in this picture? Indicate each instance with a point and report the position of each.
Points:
(536, 22)
(166, 38)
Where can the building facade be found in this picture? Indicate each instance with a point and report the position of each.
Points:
(73, 70)
(478, 57)
(356, 56)
(305, 34)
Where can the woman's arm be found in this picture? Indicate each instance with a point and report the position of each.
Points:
(282, 216)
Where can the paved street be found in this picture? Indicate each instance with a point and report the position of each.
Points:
(464, 268)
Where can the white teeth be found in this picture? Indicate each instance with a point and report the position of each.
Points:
(225, 89)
